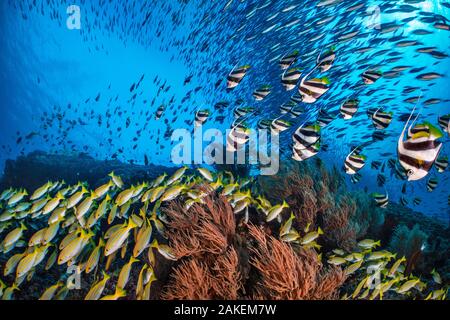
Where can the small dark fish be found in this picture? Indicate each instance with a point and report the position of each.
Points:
(429, 76)
(381, 180)
(375, 164)
(432, 184)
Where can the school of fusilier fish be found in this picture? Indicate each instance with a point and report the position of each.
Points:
(95, 232)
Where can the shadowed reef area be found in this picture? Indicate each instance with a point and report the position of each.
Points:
(214, 237)
(31, 170)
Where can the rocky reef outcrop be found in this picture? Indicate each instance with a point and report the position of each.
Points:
(34, 169)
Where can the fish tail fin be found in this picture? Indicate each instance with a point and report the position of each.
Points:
(105, 275)
(131, 223)
(133, 259)
(120, 292)
(154, 244)
(410, 116)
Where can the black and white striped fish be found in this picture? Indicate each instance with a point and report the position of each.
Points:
(242, 112)
(313, 89)
(264, 124)
(444, 123)
(324, 118)
(354, 162)
(296, 98)
(325, 60)
(238, 136)
(432, 184)
(375, 165)
(200, 117)
(305, 153)
(391, 163)
(381, 180)
(262, 92)
(280, 125)
(417, 201)
(306, 136)
(370, 76)
(236, 76)
(356, 178)
(371, 112)
(289, 59)
(290, 78)
(400, 172)
(419, 130)
(349, 108)
(418, 153)
(296, 112)
(287, 107)
(441, 164)
(221, 105)
(382, 200)
(381, 120)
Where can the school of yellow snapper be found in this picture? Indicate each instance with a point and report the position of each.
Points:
(90, 230)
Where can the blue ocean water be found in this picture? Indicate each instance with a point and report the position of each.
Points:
(71, 91)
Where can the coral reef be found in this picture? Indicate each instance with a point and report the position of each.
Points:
(319, 197)
(206, 242)
(408, 243)
(202, 238)
(220, 236)
(288, 274)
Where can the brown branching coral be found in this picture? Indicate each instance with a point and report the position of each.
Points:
(289, 274)
(207, 243)
(328, 284)
(191, 280)
(202, 229)
(202, 238)
(226, 279)
(307, 188)
(297, 190)
(319, 198)
(336, 224)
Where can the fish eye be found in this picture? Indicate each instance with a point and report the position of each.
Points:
(410, 172)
